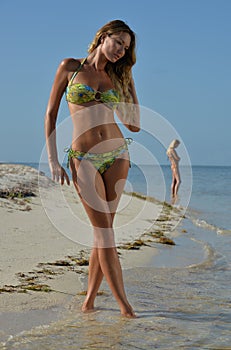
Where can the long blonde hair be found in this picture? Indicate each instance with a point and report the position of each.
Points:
(120, 71)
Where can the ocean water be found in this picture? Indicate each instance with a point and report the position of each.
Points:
(182, 295)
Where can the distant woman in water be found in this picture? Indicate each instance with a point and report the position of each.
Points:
(174, 160)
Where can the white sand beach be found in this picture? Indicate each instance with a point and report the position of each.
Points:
(42, 266)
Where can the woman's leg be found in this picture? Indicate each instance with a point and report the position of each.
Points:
(114, 181)
(111, 178)
(173, 185)
(177, 182)
(95, 275)
(96, 193)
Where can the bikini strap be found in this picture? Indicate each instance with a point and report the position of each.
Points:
(77, 71)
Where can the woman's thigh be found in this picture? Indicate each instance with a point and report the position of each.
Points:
(114, 181)
(177, 175)
(91, 189)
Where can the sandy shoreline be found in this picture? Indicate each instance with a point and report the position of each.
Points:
(42, 268)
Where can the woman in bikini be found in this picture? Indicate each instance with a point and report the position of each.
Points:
(95, 88)
(174, 160)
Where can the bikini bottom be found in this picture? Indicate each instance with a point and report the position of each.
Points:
(101, 161)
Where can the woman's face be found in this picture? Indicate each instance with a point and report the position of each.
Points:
(114, 46)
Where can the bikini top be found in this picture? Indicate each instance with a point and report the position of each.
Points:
(78, 93)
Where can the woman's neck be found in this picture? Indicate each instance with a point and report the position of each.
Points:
(97, 60)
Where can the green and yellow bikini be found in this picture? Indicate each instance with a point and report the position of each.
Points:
(78, 93)
(101, 161)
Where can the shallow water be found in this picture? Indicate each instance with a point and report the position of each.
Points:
(176, 309)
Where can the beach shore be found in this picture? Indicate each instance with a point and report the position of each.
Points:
(42, 267)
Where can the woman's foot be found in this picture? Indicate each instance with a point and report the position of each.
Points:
(87, 307)
(128, 312)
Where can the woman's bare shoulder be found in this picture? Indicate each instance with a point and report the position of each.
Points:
(70, 64)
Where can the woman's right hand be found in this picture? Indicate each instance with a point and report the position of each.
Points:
(58, 173)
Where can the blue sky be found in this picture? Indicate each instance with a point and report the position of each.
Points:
(183, 69)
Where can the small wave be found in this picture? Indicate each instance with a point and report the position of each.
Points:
(23, 339)
(213, 258)
(204, 224)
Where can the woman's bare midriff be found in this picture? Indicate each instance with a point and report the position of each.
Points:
(95, 129)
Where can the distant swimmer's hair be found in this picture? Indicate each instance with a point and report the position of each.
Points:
(172, 145)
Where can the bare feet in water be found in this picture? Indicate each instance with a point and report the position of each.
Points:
(126, 311)
(87, 308)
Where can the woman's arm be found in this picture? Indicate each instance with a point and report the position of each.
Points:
(135, 127)
(57, 91)
(175, 155)
(132, 110)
